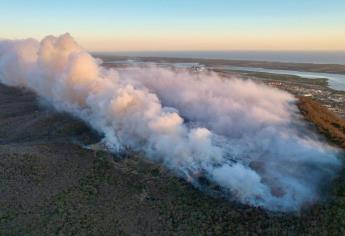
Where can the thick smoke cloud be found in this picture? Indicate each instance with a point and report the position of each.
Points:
(242, 136)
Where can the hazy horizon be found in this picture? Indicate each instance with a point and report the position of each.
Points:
(318, 57)
(182, 25)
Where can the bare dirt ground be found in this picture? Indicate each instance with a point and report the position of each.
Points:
(51, 185)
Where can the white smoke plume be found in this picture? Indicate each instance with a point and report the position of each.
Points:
(244, 137)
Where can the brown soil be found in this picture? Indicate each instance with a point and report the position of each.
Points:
(328, 123)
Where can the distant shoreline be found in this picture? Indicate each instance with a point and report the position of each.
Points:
(314, 57)
(305, 67)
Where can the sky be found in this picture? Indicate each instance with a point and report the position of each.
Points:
(178, 25)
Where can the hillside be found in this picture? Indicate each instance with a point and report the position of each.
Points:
(51, 185)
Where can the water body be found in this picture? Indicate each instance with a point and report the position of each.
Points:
(335, 81)
(318, 57)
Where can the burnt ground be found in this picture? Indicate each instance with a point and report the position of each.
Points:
(50, 185)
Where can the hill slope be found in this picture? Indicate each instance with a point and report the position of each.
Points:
(50, 185)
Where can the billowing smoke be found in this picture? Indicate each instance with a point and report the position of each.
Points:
(246, 138)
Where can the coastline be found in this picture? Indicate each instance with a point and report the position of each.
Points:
(303, 67)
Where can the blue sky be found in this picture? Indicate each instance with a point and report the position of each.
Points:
(181, 24)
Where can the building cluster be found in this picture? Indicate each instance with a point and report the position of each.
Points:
(333, 100)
